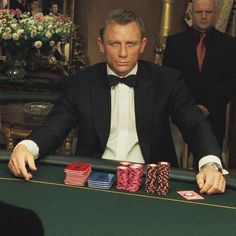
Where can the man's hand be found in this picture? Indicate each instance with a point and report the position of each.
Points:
(211, 181)
(20, 158)
(204, 110)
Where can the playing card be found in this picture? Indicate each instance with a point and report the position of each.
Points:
(101, 177)
(190, 195)
(101, 180)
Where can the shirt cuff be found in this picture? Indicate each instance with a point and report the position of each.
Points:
(211, 158)
(31, 146)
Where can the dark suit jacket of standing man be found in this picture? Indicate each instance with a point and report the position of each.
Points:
(214, 85)
(158, 93)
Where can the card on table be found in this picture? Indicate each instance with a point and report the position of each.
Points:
(78, 166)
(77, 173)
(101, 180)
(101, 177)
(190, 195)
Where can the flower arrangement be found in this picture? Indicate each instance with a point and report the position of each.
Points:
(19, 29)
(31, 40)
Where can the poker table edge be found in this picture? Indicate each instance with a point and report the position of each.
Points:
(176, 174)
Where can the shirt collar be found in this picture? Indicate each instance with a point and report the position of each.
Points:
(132, 72)
(196, 33)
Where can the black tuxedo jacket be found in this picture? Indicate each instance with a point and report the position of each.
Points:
(214, 85)
(159, 93)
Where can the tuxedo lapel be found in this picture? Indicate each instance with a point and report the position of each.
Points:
(143, 108)
(101, 102)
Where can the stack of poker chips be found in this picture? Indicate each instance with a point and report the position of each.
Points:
(163, 178)
(77, 173)
(129, 176)
(157, 178)
(151, 178)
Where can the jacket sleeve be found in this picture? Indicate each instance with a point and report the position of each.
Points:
(57, 124)
(195, 128)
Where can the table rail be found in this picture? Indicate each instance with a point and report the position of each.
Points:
(176, 174)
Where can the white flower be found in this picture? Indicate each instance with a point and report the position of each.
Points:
(20, 31)
(33, 33)
(30, 22)
(52, 43)
(13, 26)
(48, 34)
(8, 30)
(38, 44)
(6, 36)
(40, 28)
(50, 26)
(15, 36)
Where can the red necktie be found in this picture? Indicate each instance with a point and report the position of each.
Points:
(201, 50)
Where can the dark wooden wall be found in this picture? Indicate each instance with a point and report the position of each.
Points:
(91, 14)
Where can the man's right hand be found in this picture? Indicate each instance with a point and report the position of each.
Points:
(204, 110)
(20, 159)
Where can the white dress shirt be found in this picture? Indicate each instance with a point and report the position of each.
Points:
(122, 144)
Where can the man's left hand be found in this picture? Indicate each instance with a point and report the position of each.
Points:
(211, 181)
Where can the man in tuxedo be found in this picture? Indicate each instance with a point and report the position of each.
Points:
(19, 221)
(122, 109)
(207, 59)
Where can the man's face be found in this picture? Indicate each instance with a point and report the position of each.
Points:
(34, 5)
(122, 45)
(54, 8)
(203, 14)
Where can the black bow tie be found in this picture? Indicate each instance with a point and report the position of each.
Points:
(129, 80)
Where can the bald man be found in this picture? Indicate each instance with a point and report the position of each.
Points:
(207, 59)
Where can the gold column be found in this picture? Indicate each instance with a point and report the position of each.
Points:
(164, 29)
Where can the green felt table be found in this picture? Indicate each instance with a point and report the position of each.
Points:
(67, 210)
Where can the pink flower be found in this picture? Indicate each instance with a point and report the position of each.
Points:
(39, 17)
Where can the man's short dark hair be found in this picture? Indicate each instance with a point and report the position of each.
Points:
(122, 17)
(53, 3)
(31, 1)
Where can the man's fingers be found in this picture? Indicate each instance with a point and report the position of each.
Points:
(20, 158)
(200, 180)
(222, 184)
(31, 164)
(13, 169)
(207, 185)
(214, 187)
(204, 110)
(211, 181)
(218, 187)
(22, 161)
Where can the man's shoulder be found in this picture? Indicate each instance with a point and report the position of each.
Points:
(224, 36)
(87, 76)
(180, 35)
(90, 73)
(92, 70)
(159, 71)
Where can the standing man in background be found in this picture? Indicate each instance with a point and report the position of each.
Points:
(206, 58)
(54, 9)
